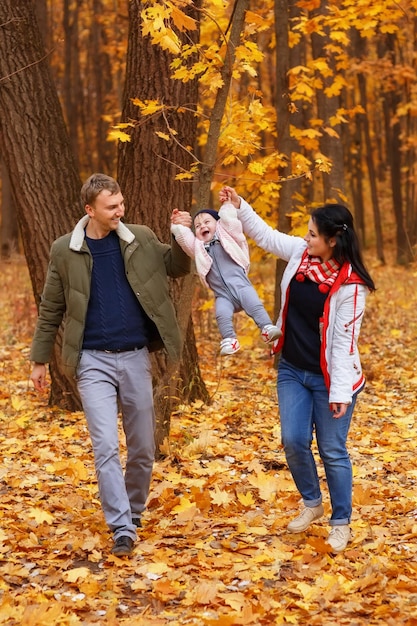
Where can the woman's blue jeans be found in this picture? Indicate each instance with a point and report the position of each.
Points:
(304, 408)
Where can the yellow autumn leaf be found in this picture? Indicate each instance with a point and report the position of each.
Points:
(23, 420)
(254, 18)
(236, 601)
(140, 584)
(40, 516)
(336, 87)
(118, 135)
(153, 19)
(157, 568)
(388, 28)
(73, 575)
(264, 573)
(163, 135)
(90, 587)
(220, 497)
(18, 403)
(74, 468)
(68, 432)
(388, 457)
(184, 176)
(246, 498)
(306, 590)
(148, 107)
(181, 20)
(170, 42)
(256, 168)
(184, 504)
(122, 125)
(216, 82)
(205, 592)
(252, 530)
(266, 485)
(174, 478)
(321, 65)
(363, 495)
(206, 305)
(166, 589)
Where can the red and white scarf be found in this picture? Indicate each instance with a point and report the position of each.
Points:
(323, 273)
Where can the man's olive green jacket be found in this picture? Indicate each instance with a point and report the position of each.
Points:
(148, 263)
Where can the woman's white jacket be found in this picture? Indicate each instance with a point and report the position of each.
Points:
(343, 311)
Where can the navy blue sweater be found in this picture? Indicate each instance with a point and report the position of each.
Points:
(115, 319)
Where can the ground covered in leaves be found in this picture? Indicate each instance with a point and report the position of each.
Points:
(214, 548)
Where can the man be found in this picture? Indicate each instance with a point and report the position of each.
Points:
(108, 281)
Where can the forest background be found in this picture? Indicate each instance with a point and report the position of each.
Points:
(292, 103)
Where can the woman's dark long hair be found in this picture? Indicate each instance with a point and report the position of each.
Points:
(335, 220)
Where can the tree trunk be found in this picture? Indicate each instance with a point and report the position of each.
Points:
(391, 100)
(101, 85)
(331, 146)
(371, 171)
(36, 151)
(146, 172)
(72, 79)
(41, 11)
(9, 230)
(285, 58)
(355, 165)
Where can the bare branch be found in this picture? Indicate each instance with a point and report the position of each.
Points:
(22, 69)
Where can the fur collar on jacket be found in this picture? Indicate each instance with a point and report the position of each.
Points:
(78, 234)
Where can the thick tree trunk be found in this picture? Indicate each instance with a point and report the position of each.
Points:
(146, 172)
(35, 147)
(41, 11)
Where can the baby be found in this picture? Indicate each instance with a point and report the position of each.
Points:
(221, 255)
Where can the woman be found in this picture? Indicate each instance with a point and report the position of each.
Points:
(323, 293)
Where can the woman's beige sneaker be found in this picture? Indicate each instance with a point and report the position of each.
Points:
(306, 517)
(339, 537)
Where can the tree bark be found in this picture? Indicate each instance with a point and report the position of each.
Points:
(285, 58)
(391, 99)
(9, 230)
(371, 171)
(72, 78)
(100, 79)
(36, 150)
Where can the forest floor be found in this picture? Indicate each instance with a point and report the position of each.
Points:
(213, 549)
